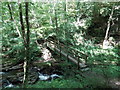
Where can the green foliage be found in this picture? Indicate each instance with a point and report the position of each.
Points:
(81, 26)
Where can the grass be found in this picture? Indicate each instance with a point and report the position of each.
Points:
(58, 83)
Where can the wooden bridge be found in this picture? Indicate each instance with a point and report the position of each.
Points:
(70, 53)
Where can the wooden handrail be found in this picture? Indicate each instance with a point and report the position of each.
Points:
(70, 49)
(75, 59)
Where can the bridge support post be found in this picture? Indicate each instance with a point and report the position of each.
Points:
(78, 66)
(60, 51)
(67, 55)
(54, 46)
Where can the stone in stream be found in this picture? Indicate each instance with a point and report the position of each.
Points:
(7, 84)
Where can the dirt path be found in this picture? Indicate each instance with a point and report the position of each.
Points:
(100, 78)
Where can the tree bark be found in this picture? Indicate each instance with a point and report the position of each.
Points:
(108, 26)
(22, 23)
(66, 29)
(27, 61)
(10, 12)
(26, 39)
(56, 22)
(106, 42)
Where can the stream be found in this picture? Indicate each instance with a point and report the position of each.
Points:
(14, 78)
(12, 75)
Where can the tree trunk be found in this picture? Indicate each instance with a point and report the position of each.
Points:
(26, 40)
(27, 61)
(12, 19)
(106, 42)
(56, 24)
(108, 26)
(22, 23)
(10, 11)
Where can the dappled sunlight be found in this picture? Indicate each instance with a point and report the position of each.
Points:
(103, 56)
(102, 51)
(80, 23)
(64, 44)
(46, 55)
(79, 38)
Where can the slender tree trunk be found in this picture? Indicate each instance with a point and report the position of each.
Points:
(27, 61)
(105, 42)
(108, 26)
(12, 19)
(25, 42)
(65, 18)
(66, 30)
(56, 21)
(66, 9)
(54, 12)
(78, 10)
(22, 23)
(10, 12)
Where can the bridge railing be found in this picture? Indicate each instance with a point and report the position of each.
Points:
(79, 56)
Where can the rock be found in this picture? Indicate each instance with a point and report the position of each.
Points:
(9, 86)
(106, 45)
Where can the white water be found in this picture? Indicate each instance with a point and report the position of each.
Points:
(2, 73)
(46, 77)
(9, 85)
(43, 77)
